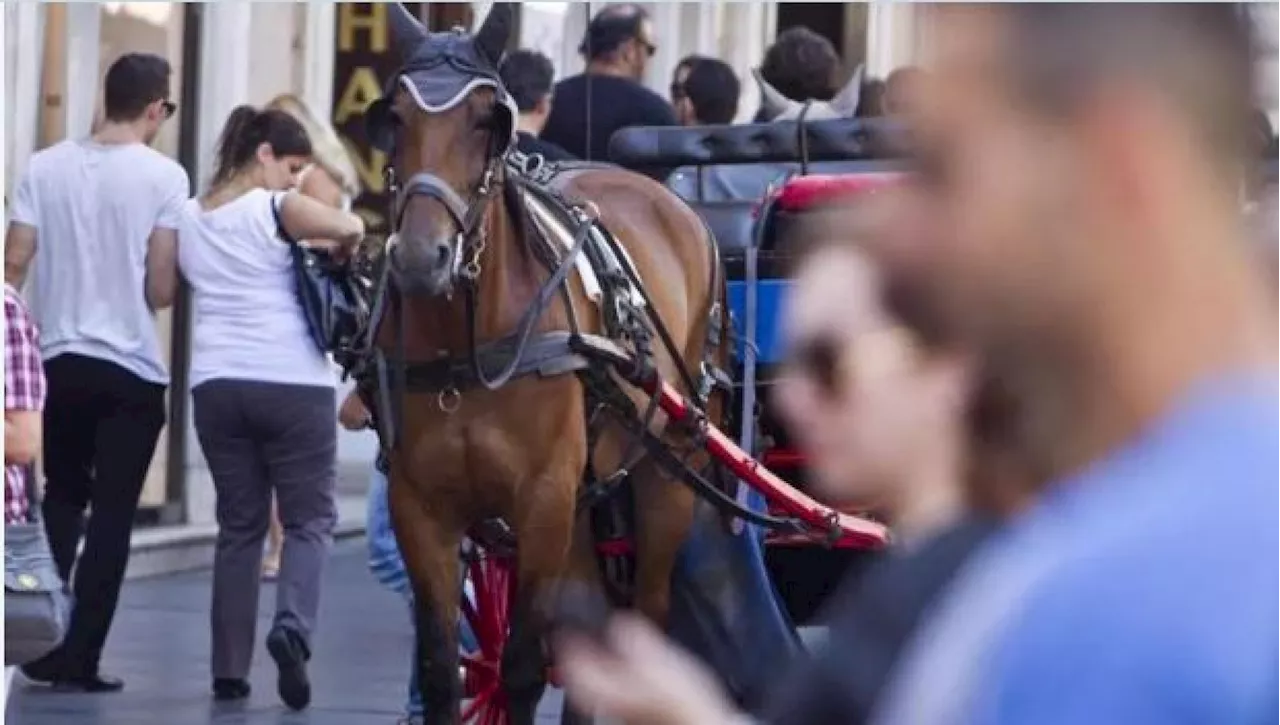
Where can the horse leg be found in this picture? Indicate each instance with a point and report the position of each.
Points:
(429, 544)
(664, 516)
(544, 531)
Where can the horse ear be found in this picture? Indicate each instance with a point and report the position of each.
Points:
(492, 37)
(406, 31)
(845, 104)
(774, 103)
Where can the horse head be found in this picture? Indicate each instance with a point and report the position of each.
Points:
(446, 122)
(780, 108)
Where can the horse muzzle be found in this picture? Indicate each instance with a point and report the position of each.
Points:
(424, 268)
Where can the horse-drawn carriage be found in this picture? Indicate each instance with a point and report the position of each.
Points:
(622, 437)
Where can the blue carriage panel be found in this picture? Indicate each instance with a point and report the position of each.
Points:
(771, 295)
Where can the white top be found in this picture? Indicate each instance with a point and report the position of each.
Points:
(94, 207)
(248, 321)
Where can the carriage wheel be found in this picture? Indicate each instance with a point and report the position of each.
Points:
(488, 612)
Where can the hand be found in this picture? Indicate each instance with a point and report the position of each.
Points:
(640, 678)
(352, 414)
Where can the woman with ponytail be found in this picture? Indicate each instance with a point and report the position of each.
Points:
(263, 391)
(332, 179)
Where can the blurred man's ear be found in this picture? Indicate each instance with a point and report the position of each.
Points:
(543, 106)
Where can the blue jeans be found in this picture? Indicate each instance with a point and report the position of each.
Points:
(388, 568)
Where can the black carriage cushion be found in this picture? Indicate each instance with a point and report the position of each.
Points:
(840, 139)
(732, 223)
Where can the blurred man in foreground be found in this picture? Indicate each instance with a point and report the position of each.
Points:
(1085, 163)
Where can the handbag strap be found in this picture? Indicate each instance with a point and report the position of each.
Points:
(280, 230)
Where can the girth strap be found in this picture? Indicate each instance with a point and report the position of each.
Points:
(545, 355)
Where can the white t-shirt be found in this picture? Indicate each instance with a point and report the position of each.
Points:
(248, 321)
(93, 207)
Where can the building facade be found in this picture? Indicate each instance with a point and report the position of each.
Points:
(336, 57)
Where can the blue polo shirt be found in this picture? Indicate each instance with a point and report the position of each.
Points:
(1143, 591)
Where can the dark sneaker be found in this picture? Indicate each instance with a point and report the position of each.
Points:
(230, 688)
(44, 670)
(290, 652)
(88, 683)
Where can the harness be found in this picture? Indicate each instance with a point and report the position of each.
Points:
(561, 234)
(630, 321)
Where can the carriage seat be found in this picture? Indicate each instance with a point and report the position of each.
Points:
(750, 182)
(732, 224)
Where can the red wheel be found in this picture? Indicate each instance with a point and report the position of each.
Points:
(487, 608)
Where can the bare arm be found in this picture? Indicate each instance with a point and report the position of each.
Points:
(19, 249)
(162, 268)
(22, 431)
(307, 218)
(319, 185)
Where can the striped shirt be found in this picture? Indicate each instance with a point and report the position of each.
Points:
(24, 390)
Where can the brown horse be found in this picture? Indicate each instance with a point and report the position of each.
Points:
(519, 452)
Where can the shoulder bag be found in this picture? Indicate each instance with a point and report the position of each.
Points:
(36, 603)
(331, 303)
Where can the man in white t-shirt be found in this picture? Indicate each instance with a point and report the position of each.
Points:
(98, 217)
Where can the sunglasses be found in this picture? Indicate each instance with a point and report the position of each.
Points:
(168, 108)
(827, 359)
(649, 48)
(821, 359)
(678, 91)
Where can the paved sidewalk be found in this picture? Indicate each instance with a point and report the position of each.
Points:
(160, 647)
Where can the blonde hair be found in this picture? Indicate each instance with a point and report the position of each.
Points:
(329, 152)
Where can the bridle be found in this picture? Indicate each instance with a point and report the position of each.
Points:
(468, 217)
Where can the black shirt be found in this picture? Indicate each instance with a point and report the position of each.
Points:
(615, 103)
(529, 144)
(872, 620)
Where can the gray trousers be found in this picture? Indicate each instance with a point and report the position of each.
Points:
(258, 438)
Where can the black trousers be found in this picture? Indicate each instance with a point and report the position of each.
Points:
(101, 423)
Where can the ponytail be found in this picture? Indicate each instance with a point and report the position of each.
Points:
(248, 128)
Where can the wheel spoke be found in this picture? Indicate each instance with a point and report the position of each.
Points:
(481, 701)
(476, 664)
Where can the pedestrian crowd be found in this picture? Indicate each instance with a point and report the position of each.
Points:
(1046, 356)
